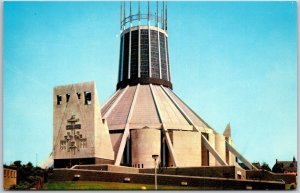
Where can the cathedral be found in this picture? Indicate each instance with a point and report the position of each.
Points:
(144, 117)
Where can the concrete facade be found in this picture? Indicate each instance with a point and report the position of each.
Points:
(144, 144)
(79, 131)
(230, 158)
(220, 146)
(187, 147)
(211, 139)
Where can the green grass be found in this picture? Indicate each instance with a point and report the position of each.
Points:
(95, 185)
(288, 186)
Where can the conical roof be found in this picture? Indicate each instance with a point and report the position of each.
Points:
(154, 106)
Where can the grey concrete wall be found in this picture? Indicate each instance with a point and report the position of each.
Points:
(203, 182)
(211, 139)
(209, 171)
(110, 168)
(220, 146)
(116, 139)
(231, 155)
(187, 148)
(144, 144)
(239, 172)
(266, 175)
(92, 129)
(64, 111)
(103, 145)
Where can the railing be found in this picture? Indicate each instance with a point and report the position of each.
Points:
(158, 20)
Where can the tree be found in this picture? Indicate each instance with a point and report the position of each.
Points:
(29, 164)
(265, 166)
(277, 168)
(17, 163)
(28, 175)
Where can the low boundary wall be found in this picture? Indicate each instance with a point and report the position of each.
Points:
(266, 175)
(106, 167)
(204, 171)
(204, 182)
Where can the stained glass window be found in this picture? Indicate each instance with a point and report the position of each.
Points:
(134, 54)
(126, 55)
(163, 56)
(154, 54)
(144, 45)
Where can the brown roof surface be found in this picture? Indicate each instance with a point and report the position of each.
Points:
(154, 106)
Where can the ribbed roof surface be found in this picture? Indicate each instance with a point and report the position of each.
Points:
(153, 106)
(145, 112)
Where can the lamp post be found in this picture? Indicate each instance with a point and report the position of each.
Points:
(155, 156)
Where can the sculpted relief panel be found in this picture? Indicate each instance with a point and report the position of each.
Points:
(73, 141)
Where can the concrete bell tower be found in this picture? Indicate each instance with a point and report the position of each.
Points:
(80, 135)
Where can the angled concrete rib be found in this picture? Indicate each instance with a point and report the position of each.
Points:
(205, 141)
(180, 109)
(165, 131)
(239, 156)
(213, 151)
(169, 144)
(115, 103)
(122, 147)
(112, 96)
(126, 131)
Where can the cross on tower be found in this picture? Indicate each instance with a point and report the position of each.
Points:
(72, 140)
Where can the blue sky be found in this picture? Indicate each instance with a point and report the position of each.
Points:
(230, 62)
